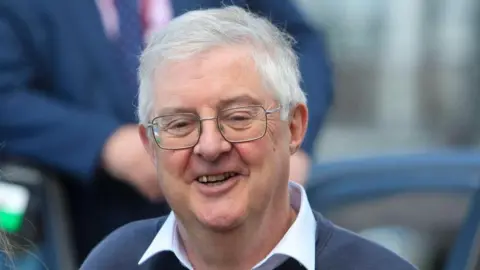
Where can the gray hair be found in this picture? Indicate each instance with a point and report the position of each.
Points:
(200, 30)
(4, 245)
(6, 252)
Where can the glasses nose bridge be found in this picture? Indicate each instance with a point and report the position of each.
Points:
(208, 118)
(217, 130)
(214, 118)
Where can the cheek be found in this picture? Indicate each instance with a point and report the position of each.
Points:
(172, 163)
(272, 152)
(255, 153)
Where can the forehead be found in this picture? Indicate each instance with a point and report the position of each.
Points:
(216, 78)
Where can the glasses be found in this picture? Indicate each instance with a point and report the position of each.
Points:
(237, 125)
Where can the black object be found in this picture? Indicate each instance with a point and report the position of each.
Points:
(44, 236)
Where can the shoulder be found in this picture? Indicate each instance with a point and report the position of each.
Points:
(123, 248)
(343, 249)
(360, 251)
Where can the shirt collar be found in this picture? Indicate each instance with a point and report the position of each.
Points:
(298, 243)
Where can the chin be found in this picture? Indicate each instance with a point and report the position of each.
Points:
(221, 222)
(221, 226)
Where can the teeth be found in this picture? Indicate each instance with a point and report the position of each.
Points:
(215, 178)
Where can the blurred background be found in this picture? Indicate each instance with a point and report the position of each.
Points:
(407, 75)
(407, 84)
(398, 159)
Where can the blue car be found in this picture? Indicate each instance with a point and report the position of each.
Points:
(425, 207)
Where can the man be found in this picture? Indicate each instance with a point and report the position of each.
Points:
(221, 112)
(67, 88)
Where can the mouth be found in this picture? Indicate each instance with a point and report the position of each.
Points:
(217, 179)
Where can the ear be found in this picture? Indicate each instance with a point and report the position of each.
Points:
(298, 126)
(147, 143)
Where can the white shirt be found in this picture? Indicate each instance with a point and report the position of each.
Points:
(298, 243)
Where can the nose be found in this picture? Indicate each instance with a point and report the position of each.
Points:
(211, 144)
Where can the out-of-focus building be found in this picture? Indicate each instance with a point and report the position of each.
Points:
(407, 75)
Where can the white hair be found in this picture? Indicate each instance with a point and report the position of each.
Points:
(200, 30)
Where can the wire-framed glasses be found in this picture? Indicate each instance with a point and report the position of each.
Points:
(237, 125)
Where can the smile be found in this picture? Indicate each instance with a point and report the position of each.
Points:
(215, 179)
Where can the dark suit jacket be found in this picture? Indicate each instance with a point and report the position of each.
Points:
(61, 97)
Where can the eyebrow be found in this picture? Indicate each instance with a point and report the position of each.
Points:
(243, 99)
(174, 110)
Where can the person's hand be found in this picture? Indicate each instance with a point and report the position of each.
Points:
(299, 167)
(125, 158)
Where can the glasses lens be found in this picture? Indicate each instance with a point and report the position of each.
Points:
(236, 125)
(243, 124)
(176, 131)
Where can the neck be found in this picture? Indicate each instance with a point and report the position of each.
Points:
(243, 247)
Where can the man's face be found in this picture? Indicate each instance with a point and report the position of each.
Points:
(256, 172)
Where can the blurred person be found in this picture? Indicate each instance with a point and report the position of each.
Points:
(67, 88)
(221, 111)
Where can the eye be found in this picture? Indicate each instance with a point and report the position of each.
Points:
(240, 114)
(239, 117)
(178, 125)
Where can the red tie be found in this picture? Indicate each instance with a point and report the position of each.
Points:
(155, 14)
(145, 6)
